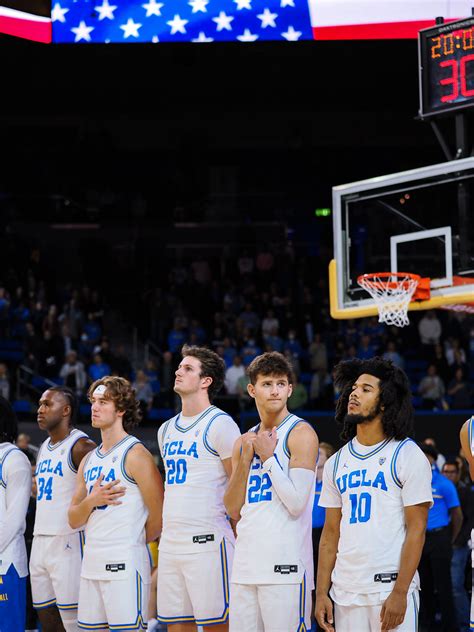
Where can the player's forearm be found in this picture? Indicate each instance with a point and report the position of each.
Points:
(293, 490)
(79, 513)
(234, 497)
(326, 560)
(410, 557)
(153, 528)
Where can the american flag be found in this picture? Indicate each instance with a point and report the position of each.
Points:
(199, 21)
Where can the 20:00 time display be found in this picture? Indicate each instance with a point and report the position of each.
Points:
(444, 45)
(454, 70)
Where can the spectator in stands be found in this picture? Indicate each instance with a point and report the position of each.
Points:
(250, 350)
(444, 525)
(51, 355)
(318, 354)
(292, 344)
(201, 271)
(392, 354)
(299, 395)
(459, 391)
(98, 369)
(366, 348)
(176, 337)
(374, 330)
(245, 401)
(144, 392)
(430, 332)
(51, 322)
(249, 319)
(431, 389)
(233, 374)
(270, 324)
(459, 363)
(273, 342)
(92, 329)
(461, 549)
(73, 373)
(454, 352)
(120, 364)
(439, 360)
(4, 381)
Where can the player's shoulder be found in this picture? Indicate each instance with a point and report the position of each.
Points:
(14, 458)
(407, 449)
(301, 430)
(217, 413)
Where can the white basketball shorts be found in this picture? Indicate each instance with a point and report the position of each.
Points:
(367, 618)
(270, 607)
(119, 604)
(55, 570)
(194, 587)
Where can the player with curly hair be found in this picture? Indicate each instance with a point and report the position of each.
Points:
(377, 492)
(118, 497)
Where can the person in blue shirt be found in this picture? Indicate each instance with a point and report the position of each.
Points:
(444, 523)
(326, 450)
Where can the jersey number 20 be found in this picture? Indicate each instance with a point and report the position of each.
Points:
(176, 471)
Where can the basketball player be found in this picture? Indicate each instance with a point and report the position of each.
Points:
(377, 492)
(196, 547)
(272, 491)
(118, 498)
(56, 552)
(15, 489)
(467, 444)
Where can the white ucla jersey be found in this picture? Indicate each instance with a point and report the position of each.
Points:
(55, 481)
(115, 534)
(373, 485)
(272, 546)
(194, 516)
(12, 461)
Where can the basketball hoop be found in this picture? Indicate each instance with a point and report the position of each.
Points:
(392, 293)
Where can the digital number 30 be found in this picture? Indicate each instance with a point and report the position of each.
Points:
(458, 69)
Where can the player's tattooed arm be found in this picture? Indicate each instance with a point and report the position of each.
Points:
(327, 559)
(141, 466)
(242, 455)
(394, 607)
(466, 448)
(79, 450)
(82, 503)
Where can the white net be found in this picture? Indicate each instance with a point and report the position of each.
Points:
(392, 293)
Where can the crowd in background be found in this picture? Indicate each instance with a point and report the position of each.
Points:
(257, 301)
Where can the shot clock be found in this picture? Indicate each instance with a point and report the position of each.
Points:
(446, 66)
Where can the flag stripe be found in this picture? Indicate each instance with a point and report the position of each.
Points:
(25, 25)
(382, 30)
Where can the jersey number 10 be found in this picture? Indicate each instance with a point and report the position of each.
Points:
(360, 507)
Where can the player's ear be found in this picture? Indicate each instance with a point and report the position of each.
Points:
(251, 390)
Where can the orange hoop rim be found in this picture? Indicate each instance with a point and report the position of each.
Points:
(375, 279)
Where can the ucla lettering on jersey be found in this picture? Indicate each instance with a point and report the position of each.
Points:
(194, 517)
(272, 546)
(114, 534)
(55, 475)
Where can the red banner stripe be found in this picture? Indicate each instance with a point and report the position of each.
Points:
(36, 30)
(382, 30)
